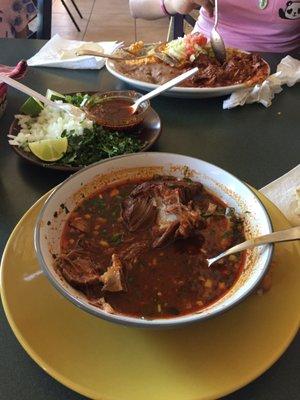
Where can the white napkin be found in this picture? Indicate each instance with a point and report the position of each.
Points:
(288, 72)
(284, 192)
(61, 53)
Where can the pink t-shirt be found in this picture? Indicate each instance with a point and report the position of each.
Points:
(254, 25)
(245, 24)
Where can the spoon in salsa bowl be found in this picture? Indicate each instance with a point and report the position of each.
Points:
(279, 236)
(163, 88)
(125, 110)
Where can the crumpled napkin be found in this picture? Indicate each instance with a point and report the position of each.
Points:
(288, 73)
(284, 192)
(61, 53)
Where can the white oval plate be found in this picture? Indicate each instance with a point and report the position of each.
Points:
(180, 92)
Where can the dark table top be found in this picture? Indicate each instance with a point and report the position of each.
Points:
(254, 143)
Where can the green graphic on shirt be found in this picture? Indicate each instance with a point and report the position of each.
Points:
(263, 4)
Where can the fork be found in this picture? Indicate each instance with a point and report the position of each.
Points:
(109, 56)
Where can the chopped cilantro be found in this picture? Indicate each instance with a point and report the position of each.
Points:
(97, 203)
(97, 144)
(78, 99)
(188, 180)
(117, 239)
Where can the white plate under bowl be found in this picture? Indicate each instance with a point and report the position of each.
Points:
(179, 92)
(221, 183)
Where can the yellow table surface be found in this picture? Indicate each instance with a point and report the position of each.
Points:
(105, 361)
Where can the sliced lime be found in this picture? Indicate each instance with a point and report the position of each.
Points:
(32, 107)
(51, 95)
(49, 149)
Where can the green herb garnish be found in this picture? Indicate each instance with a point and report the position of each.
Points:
(97, 144)
(188, 180)
(117, 239)
(98, 203)
(78, 99)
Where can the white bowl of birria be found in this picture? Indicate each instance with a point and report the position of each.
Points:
(127, 240)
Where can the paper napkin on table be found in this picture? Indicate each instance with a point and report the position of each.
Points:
(61, 53)
(288, 73)
(284, 192)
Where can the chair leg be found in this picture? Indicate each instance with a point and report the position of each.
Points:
(71, 16)
(44, 17)
(170, 30)
(178, 26)
(77, 9)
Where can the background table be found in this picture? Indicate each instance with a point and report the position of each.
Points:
(255, 144)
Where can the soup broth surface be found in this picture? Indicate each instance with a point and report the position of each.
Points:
(140, 248)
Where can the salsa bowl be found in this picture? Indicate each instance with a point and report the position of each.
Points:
(111, 119)
(67, 196)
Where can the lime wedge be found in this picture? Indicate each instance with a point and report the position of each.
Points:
(49, 149)
(32, 107)
(51, 95)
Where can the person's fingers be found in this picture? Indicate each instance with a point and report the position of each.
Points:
(186, 6)
(207, 4)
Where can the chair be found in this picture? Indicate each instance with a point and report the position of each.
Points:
(44, 15)
(176, 27)
(44, 9)
(71, 15)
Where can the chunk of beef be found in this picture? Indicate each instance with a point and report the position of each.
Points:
(186, 190)
(101, 303)
(138, 212)
(78, 270)
(112, 279)
(130, 253)
(165, 205)
(80, 224)
(177, 221)
(163, 236)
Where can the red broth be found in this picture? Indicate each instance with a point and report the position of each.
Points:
(132, 255)
(113, 111)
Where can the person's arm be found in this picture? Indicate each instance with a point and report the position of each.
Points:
(146, 9)
(154, 9)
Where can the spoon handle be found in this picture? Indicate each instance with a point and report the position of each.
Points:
(166, 86)
(216, 14)
(279, 236)
(22, 88)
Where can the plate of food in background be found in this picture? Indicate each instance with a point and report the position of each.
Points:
(145, 66)
(53, 139)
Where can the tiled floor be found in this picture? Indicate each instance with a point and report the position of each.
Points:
(105, 20)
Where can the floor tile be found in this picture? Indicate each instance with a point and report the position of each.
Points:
(105, 20)
(67, 33)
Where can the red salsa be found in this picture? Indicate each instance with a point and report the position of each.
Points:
(140, 248)
(113, 111)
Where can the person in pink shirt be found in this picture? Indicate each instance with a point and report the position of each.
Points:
(252, 25)
(14, 17)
